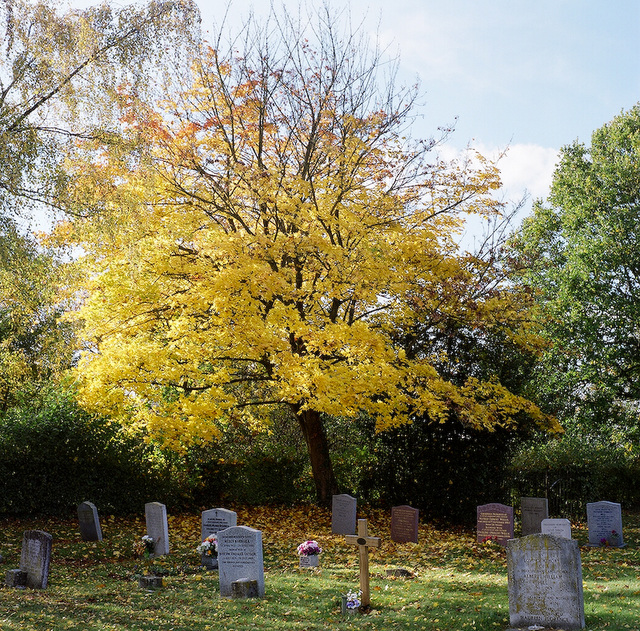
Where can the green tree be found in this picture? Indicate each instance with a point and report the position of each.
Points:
(582, 249)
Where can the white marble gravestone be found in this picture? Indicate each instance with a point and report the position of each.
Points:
(157, 526)
(240, 557)
(343, 514)
(545, 582)
(556, 527)
(216, 519)
(35, 557)
(604, 520)
(532, 511)
(89, 522)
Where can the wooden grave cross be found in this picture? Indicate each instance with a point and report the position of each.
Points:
(364, 542)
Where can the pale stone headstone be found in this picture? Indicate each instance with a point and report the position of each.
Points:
(533, 511)
(556, 527)
(240, 557)
(89, 522)
(157, 526)
(343, 514)
(495, 521)
(35, 557)
(545, 582)
(217, 519)
(604, 520)
(404, 524)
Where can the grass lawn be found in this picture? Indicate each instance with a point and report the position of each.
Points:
(457, 584)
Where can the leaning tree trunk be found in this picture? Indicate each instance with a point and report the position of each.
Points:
(318, 447)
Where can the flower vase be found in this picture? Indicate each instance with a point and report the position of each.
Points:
(309, 560)
(211, 563)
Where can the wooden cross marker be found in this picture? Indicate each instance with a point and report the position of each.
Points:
(364, 542)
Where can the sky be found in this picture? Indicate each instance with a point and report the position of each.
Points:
(528, 76)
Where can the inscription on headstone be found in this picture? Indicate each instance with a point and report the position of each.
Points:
(157, 526)
(35, 557)
(404, 524)
(604, 520)
(217, 519)
(240, 557)
(343, 514)
(556, 527)
(545, 582)
(495, 521)
(89, 522)
(533, 511)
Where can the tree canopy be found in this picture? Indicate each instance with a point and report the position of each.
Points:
(271, 235)
(581, 247)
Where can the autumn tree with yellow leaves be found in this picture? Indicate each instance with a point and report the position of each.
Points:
(271, 236)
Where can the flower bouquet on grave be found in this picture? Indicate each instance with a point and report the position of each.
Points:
(351, 602)
(208, 551)
(308, 553)
(144, 547)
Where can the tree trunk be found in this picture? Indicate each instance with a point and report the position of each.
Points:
(318, 447)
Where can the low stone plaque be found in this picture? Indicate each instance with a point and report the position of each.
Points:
(495, 521)
(533, 511)
(35, 557)
(604, 520)
(217, 519)
(240, 557)
(89, 522)
(343, 514)
(404, 524)
(545, 582)
(157, 527)
(556, 527)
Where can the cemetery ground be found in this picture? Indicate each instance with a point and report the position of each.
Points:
(456, 583)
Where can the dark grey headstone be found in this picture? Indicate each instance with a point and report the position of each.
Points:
(89, 522)
(545, 582)
(157, 526)
(15, 578)
(343, 514)
(404, 524)
(217, 519)
(245, 588)
(495, 521)
(533, 511)
(240, 557)
(35, 557)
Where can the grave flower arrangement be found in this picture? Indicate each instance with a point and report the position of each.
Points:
(209, 547)
(144, 547)
(353, 599)
(309, 548)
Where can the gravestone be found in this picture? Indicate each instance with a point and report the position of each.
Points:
(157, 527)
(404, 524)
(89, 522)
(545, 582)
(556, 527)
(240, 557)
(217, 519)
(495, 521)
(35, 557)
(343, 514)
(604, 520)
(533, 510)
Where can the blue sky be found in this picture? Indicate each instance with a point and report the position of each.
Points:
(533, 76)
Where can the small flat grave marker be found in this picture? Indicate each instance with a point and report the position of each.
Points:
(545, 582)
(533, 511)
(35, 557)
(157, 527)
(343, 514)
(556, 527)
(216, 519)
(240, 557)
(495, 521)
(89, 522)
(604, 520)
(404, 524)
(364, 542)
